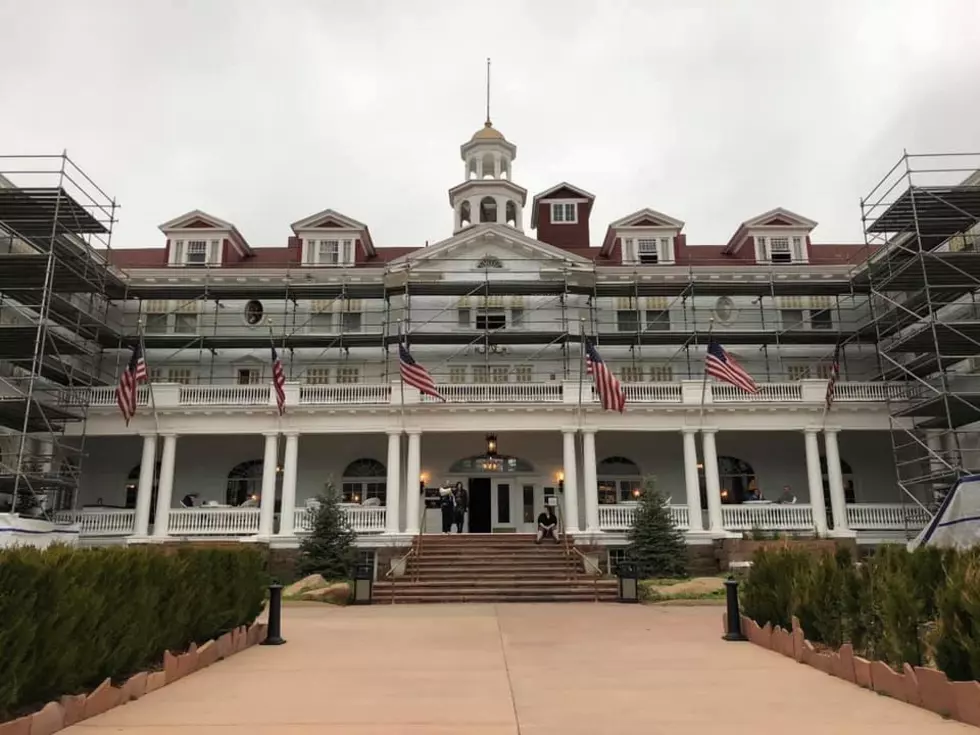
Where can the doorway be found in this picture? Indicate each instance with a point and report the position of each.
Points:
(480, 518)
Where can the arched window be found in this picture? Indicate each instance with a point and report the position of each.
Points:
(482, 465)
(847, 475)
(620, 481)
(488, 209)
(488, 166)
(511, 214)
(490, 261)
(132, 488)
(364, 481)
(465, 217)
(244, 483)
(737, 478)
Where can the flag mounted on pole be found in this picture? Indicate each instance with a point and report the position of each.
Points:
(415, 375)
(610, 391)
(832, 379)
(134, 374)
(719, 364)
(278, 381)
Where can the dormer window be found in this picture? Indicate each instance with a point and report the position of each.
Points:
(780, 250)
(564, 213)
(336, 252)
(647, 251)
(196, 253)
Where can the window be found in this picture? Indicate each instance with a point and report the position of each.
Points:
(821, 319)
(503, 503)
(347, 374)
(523, 373)
(499, 373)
(318, 376)
(351, 321)
(823, 371)
(779, 251)
(197, 252)
(457, 374)
(184, 376)
(364, 480)
(185, 323)
(491, 319)
(631, 374)
(463, 318)
(333, 252)
(646, 252)
(481, 374)
(517, 317)
(249, 376)
(627, 321)
(322, 322)
(619, 480)
(662, 374)
(254, 313)
(564, 212)
(528, 497)
(798, 372)
(658, 321)
(791, 318)
(725, 309)
(156, 323)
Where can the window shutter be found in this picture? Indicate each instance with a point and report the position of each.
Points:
(214, 254)
(629, 251)
(155, 306)
(798, 249)
(464, 302)
(186, 307)
(347, 257)
(666, 250)
(760, 249)
(177, 256)
(517, 301)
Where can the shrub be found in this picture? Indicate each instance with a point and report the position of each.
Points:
(329, 549)
(656, 545)
(957, 633)
(73, 617)
(770, 589)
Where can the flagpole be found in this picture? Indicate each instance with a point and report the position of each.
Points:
(581, 368)
(834, 375)
(704, 382)
(401, 378)
(272, 342)
(149, 382)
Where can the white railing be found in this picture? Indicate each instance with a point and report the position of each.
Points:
(767, 517)
(214, 521)
(870, 391)
(653, 392)
(499, 393)
(620, 517)
(885, 516)
(105, 395)
(345, 393)
(99, 522)
(226, 395)
(362, 518)
(768, 393)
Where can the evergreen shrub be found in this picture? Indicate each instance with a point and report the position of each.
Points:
(656, 545)
(329, 549)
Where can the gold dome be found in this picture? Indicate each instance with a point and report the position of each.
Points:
(488, 132)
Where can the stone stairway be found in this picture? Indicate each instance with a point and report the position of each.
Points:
(493, 568)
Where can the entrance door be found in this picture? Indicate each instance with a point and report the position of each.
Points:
(479, 521)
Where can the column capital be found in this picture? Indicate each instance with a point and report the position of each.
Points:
(267, 434)
(394, 432)
(689, 430)
(168, 434)
(414, 431)
(148, 435)
(831, 430)
(709, 430)
(569, 429)
(812, 429)
(291, 432)
(589, 430)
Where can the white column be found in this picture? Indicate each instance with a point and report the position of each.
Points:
(267, 503)
(496, 166)
(475, 211)
(289, 468)
(836, 481)
(814, 480)
(501, 209)
(165, 489)
(393, 489)
(571, 486)
(692, 482)
(479, 168)
(519, 222)
(412, 472)
(711, 481)
(144, 491)
(590, 481)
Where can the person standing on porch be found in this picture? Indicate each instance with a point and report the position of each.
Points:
(462, 499)
(447, 505)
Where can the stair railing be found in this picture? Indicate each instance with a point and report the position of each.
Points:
(415, 550)
(586, 561)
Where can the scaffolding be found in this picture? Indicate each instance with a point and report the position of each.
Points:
(923, 275)
(56, 319)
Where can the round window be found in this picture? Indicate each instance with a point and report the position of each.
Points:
(254, 313)
(725, 309)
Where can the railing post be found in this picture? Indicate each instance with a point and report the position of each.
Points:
(734, 632)
(274, 634)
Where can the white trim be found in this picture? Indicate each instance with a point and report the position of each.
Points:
(667, 222)
(574, 203)
(543, 196)
(796, 220)
(307, 223)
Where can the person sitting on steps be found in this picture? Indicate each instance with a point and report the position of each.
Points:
(547, 525)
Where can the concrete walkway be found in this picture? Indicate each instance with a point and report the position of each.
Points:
(574, 669)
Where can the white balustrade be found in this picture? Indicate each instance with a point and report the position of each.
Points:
(214, 521)
(619, 517)
(344, 393)
(362, 518)
(886, 516)
(652, 392)
(768, 393)
(499, 393)
(767, 517)
(226, 395)
(99, 521)
(855, 392)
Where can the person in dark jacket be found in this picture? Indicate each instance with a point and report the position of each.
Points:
(447, 505)
(462, 499)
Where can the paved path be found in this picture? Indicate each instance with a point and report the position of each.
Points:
(574, 669)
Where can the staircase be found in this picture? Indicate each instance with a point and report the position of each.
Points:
(493, 568)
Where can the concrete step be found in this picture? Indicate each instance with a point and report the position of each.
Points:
(491, 599)
(515, 585)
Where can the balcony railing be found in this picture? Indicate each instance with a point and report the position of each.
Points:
(620, 517)
(768, 393)
(499, 393)
(349, 393)
(214, 521)
(362, 518)
(98, 521)
(225, 395)
(767, 517)
(893, 516)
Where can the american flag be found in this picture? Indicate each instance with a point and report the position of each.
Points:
(610, 391)
(834, 374)
(415, 375)
(133, 375)
(278, 381)
(721, 365)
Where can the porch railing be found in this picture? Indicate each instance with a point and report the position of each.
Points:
(768, 393)
(499, 392)
(653, 392)
(345, 393)
(225, 395)
(214, 521)
(362, 518)
(99, 522)
(882, 516)
(767, 517)
(620, 517)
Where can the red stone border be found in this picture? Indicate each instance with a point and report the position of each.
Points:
(923, 687)
(55, 716)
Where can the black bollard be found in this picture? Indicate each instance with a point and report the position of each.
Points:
(734, 620)
(273, 636)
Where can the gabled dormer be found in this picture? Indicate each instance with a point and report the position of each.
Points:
(198, 239)
(778, 236)
(561, 216)
(331, 239)
(646, 237)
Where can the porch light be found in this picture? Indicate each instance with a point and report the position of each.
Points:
(629, 586)
(636, 492)
(363, 584)
(491, 445)
(424, 477)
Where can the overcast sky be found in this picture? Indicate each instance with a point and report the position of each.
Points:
(264, 112)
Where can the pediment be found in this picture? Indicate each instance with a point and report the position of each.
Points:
(196, 219)
(327, 219)
(780, 217)
(648, 218)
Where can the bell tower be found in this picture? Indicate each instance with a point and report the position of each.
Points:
(488, 193)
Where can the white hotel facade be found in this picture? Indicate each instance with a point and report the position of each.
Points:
(497, 315)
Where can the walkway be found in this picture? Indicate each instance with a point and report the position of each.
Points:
(574, 669)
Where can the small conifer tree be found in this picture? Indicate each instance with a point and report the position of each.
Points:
(657, 547)
(329, 549)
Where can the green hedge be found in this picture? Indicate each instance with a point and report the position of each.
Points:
(900, 607)
(70, 618)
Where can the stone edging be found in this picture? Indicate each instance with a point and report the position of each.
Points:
(69, 710)
(917, 685)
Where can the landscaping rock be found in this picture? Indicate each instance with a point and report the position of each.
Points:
(887, 681)
(187, 662)
(966, 697)
(207, 654)
(862, 672)
(226, 646)
(313, 581)
(74, 708)
(103, 699)
(134, 688)
(20, 726)
(49, 720)
(935, 692)
(170, 667)
(156, 680)
(844, 663)
(911, 686)
(337, 593)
